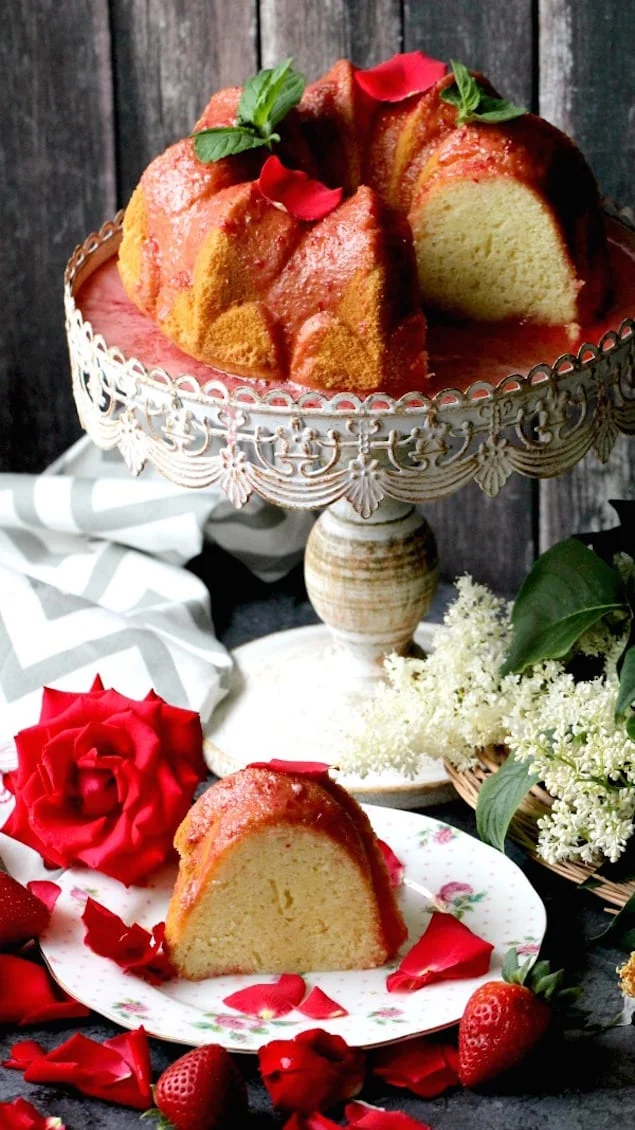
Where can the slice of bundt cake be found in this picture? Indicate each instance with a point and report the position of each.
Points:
(279, 872)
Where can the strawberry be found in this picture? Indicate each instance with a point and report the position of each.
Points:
(203, 1090)
(504, 1020)
(22, 915)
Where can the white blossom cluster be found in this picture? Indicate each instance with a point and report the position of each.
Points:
(454, 702)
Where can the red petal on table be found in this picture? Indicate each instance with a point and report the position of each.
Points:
(22, 1115)
(401, 76)
(425, 1067)
(314, 1121)
(394, 865)
(46, 891)
(447, 951)
(118, 1071)
(22, 1054)
(306, 768)
(317, 1006)
(134, 949)
(293, 190)
(28, 994)
(269, 1000)
(368, 1117)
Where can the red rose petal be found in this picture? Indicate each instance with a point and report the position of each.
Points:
(22, 1054)
(313, 1121)
(317, 1006)
(46, 891)
(293, 190)
(135, 950)
(118, 1071)
(447, 951)
(425, 1067)
(22, 1115)
(368, 1117)
(401, 76)
(311, 1072)
(395, 867)
(269, 1000)
(28, 994)
(306, 768)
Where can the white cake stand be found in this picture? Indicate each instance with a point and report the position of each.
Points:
(371, 562)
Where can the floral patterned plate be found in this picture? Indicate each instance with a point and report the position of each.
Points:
(444, 868)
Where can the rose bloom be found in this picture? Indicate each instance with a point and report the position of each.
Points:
(311, 1072)
(105, 780)
(452, 891)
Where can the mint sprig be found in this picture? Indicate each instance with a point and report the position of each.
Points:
(473, 102)
(265, 101)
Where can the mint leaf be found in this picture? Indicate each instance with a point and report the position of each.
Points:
(568, 589)
(255, 91)
(621, 929)
(499, 797)
(224, 141)
(473, 102)
(288, 95)
(268, 97)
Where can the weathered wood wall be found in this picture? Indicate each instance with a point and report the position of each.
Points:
(93, 91)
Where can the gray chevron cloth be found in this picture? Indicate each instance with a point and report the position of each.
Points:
(92, 580)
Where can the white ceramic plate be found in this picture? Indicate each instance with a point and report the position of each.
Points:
(483, 887)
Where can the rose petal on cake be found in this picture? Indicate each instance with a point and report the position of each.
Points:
(401, 76)
(296, 192)
(270, 999)
(425, 1067)
(46, 891)
(368, 1117)
(134, 949)
(306, 768)
(395, 867)
(447, 951)
(317, 1006)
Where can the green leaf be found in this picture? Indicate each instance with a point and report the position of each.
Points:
(268, 97)
(626, 668)
(620, 931)
(255, 91)
(630, 728)
(224, 141)
(567, 590)
(499, 798)
(497, 110)
(474, 104)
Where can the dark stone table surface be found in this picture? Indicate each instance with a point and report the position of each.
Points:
(579, 1083)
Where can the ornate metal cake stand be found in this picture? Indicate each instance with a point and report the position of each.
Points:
(367, 463)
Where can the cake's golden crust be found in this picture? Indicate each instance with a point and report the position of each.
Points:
(258, 798)
(239, 284)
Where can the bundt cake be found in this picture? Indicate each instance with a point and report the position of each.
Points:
(279, 872)
(449, 203)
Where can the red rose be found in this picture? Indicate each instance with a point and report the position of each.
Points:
(311, 1072)
(105, 780)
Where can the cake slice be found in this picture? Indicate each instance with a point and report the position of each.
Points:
(280, 872)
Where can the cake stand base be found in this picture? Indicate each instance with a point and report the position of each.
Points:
(289, 699)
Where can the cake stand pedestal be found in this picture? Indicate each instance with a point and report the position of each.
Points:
(367, 462)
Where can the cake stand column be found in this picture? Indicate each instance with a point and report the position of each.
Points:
(371, 580)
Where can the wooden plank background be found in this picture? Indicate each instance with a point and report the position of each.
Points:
(93, 91)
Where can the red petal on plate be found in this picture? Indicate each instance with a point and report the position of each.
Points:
(269, 1000)
(306, 768)
(293, 190)
(401, 76)
(425, 1067)
(368, 1117)
(134, 949)
(314, 1121)
(46, 891)
(447, 951)
(394, 865)
(318, 1006)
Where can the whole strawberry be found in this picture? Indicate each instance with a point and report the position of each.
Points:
(203, 1090)
(22, 915)
(504, 1020)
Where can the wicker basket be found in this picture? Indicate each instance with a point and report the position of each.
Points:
(523, 828)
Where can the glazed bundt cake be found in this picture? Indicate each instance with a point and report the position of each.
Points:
(280, 872)
(449, 200)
